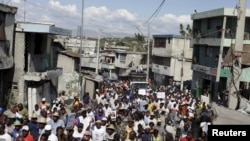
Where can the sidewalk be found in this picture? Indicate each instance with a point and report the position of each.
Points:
(229, 116)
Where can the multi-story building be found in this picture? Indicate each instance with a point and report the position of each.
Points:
(35, 56)
(207, 42)
(7, 26)
(108, 68)
(70, 78)
(171, 59)
(131, 65)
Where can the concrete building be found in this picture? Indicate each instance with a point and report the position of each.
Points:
(107, 62)
(91, 80)
(131, 65)
(7, 27)
(171, 59)
(69, 80)
(88, 45)
(208, 39)
(35, 56)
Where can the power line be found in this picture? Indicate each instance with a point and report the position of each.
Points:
(155, 12)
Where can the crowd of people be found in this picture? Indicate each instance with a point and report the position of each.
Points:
(112, 113)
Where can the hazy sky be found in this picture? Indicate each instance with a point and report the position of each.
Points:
(116, 16)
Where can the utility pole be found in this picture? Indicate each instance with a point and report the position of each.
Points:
(98, 52)
(148, 53)
(234, 95)
(80, 52)
(217, 82)
(183, 60)
(24, 11)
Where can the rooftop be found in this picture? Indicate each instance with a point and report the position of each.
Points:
(43, 28)
(168, 36)
(217, 13)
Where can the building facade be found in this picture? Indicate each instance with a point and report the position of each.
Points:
(171, 59)
(7, 28)
(74, 44)
(208, 39)
(131, 65)
(36, 72)
(69, 80)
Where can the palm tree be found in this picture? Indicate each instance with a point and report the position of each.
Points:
(140, 40)
(187, 31)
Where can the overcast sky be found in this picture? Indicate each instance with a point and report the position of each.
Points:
(116, 16)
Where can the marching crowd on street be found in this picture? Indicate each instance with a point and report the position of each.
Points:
(114, 113)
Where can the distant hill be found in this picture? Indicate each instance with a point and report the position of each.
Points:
(94, 34)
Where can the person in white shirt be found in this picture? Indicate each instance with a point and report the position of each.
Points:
(90, 113)
(79, 132)
(3, 135)
(204, 124)
(84, 119)
(171, 103)
(87, 136)
(37, 110)
(110, 132)
(107, 110)
(48, 132)
(98, 133)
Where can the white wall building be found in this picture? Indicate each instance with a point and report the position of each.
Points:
(168, 63)
(88, 45)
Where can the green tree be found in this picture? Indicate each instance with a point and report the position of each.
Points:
(188, 31)
(139, 38)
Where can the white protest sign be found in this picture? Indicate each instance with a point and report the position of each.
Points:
(205, 99)
(160, 95)
(142, 92)
(113, 115)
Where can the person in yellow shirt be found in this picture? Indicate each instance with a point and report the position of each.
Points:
(156, 136)
(129, 127)
(150, 107)
(22, 110)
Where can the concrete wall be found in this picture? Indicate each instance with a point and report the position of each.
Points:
(19, 66)
(69, 83)
(173, 48)
(19, 56)
(9, 28)
(65, 62)
(176, 66)
(136, 58)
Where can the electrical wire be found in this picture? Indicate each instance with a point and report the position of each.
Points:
(155, 13)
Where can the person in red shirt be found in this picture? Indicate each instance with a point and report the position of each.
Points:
(26, 133)
(189, 137)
